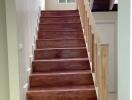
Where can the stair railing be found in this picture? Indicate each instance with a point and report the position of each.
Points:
(98, 53)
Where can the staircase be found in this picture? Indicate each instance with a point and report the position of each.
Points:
(61, 68)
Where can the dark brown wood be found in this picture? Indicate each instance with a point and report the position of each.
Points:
(64, 53)
(61, 69)
(61, 79)
(57, 20)
(60, 35)
(63, 26)
(59, 13)
(65, 93)
(61, 43)
(58, 65)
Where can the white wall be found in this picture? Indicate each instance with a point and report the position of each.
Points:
(22, 24)
(27, 12)
(107, 27)
(124, 50)
(54, 5)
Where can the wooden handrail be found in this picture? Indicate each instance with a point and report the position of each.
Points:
(97, 52)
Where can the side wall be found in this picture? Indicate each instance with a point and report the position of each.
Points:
(22, 18)
(4, 80)
(124, 50)
(27, 14)
(54, 5)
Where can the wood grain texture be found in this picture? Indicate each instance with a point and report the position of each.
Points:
(58, 65)
(56, 53)
(61, 68)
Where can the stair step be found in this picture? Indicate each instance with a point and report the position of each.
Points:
(59, 35)
(59, 13)
(58, 65)
(64, 93)
(56, 53)
(61, 69)
(60, 32)
(60, 43)
(61, 79)
(65, 26)
(72, 19)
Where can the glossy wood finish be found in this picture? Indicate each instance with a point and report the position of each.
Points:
(61, 79)
(60, 43)
(56, 53)
(61, 68)
(60, 65)
(59, 13)
(57, 20)
(65, 93)
(65, 26)
(59, 35)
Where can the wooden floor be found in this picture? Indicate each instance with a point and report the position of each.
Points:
(61, 69)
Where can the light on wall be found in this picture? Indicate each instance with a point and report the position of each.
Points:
(116, 2)
(42, 4)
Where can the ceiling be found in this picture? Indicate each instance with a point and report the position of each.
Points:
(105, 5)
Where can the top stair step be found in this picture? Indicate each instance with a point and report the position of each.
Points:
(60, 13)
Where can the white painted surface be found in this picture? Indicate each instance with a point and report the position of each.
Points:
(124, 50)
(131, 55)
(27, 16)
(54, 5)
(107, 28)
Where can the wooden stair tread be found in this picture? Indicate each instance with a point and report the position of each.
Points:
(60, 39)
(60, 48)
(63, 93)
(65, 16)
(63, 73)
(65, 88)
(62, 30)
(57, 23)
(71, 59)
(61, 68)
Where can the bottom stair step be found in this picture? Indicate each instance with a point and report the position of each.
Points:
(65, 93)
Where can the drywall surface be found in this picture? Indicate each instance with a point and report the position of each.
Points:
(54, 5)
(124, 50)
(109, 16)
(4, 80)
(27, 16)
(106, 23)
(22, 17)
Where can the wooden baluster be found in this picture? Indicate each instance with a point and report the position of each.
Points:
(103, 72)
(98, 53)
(93, 65)
(96, 63)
